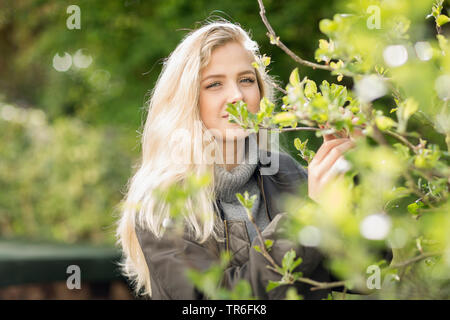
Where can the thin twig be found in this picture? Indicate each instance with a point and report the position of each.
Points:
(272, 35)
(298, 129)
(276, 86)
(263, 246)
(402, 139)
(414, 260)
(290, 129)
(323, 285)
(344, 293)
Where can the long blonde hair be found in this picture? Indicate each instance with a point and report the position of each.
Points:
(173, 105)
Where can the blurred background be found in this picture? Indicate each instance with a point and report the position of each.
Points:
(72, 104)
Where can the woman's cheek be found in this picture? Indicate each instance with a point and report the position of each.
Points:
(254, 107)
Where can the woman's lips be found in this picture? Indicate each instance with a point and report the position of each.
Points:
(225, 116)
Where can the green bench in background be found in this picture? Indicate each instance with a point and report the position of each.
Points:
(24, 262)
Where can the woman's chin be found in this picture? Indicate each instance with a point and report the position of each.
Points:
(236, 133)
(231, 132)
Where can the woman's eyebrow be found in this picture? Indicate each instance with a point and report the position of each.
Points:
(222, 75)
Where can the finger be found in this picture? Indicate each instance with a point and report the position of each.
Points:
(342, 133)
(330, 174)
(325, 148)
(330, 159)
(329, 137)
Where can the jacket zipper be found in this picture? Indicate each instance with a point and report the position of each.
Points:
(225, 226)
(261, 184)
(226, 236)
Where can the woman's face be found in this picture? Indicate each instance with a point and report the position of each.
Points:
(228, 78)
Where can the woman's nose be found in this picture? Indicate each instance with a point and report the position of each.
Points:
(235, 94)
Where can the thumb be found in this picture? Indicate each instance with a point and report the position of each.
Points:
(327, 137)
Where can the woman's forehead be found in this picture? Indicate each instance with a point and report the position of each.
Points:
(231, 57)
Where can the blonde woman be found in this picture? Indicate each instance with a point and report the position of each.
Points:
(187, 114)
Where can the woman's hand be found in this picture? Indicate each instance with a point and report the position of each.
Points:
(328, 163)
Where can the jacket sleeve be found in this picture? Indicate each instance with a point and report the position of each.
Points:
(169, 257)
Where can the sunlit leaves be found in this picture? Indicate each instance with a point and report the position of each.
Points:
(288, 265)
(294, 78)
(404, 111)
(384, 123)
(414, 207)
(305, 153)
(310, 89)
(247, 202)
(440, 18)
(238, 113)
(267, 243)
(285, 119)
(327, 26)
(427, 157)
(262, 62)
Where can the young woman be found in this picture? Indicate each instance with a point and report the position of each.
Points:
(210, 68)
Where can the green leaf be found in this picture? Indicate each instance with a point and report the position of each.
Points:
(327, 26)
(324, 44)
(413, 208)
(240, 198)
(402, 150)
(297, 275)
(265, 60)
(288, 263)
(442, 19)
(297, 144)
(273, 40)
(337, 65)
(294, 78)
(384, 123)
(284, 118)
(310, 89)
(268, 243)
(272, 285)
(409, 108)
(296, 263)
(288, 259)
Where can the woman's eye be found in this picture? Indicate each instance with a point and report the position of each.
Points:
(212, 85)
(248, 80)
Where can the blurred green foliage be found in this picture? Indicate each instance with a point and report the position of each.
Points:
(59, 181)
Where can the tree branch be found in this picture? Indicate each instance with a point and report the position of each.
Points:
(272, 35)
(402, 139)
(414, 260)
